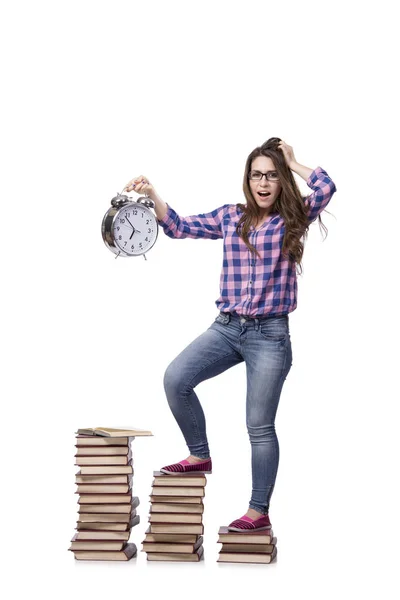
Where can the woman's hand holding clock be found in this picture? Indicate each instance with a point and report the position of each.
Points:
(141, 185)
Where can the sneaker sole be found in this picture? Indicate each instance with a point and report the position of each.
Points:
(183, 472)
(249, 530)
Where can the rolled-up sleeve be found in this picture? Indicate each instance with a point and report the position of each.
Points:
(323, 187)
(204, 225)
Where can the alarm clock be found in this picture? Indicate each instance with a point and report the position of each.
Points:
(130, 228)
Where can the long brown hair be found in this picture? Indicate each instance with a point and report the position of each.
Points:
(289, 204)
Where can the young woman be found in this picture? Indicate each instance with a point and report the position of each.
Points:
(258, 289)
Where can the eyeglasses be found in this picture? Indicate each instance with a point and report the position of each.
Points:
(270, 175)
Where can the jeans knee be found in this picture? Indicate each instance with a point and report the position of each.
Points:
(173, 382)
(261, 433)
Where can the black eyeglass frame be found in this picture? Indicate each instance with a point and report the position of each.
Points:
(262, 175)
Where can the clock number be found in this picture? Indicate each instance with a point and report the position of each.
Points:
(133, 247)
(140, 244)
(128, 215)
(118, 228)
(120, 237)
(147, 221)
(134, 212)
(146, 239)
(122, 220)
(149, 230)
(125, 243)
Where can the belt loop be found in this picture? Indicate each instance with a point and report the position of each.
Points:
(257, 321)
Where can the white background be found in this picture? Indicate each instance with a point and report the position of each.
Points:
(96, 93)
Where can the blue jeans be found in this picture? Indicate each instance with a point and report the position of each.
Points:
(265, 346)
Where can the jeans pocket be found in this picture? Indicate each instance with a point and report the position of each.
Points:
(222, 318)
(274, 330)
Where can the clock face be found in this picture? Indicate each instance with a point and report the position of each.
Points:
(134, 229)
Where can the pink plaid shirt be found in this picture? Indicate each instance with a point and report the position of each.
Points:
(250, 286)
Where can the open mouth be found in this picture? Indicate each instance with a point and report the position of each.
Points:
(264, 194)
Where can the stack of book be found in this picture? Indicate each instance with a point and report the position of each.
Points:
(107, 509)
(246, 546)
(176, 518)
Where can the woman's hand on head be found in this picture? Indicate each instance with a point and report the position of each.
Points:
(287, 153)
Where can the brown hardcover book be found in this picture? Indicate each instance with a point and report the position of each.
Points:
(108, 526)
(174, 548)
(103, 460)
(106, 517)
(106, 469)
(165, 507)
(179, 538)
(189, 479)
(174, 518)
(105, 508)
(251, 557)
(104, 479)
(264, 536)
(126, 553)
(108, 488)
(95, 535)
(114, 432)
(176, 499)
(99, 545)
(257, 548)
(177, 528)
(178, 491)
(93, 440)
(195, 557)
(105, 498)
(102, 450)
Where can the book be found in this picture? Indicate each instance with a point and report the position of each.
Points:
(105, 508)
(103, 460)
(106, 518)
(104, 479)
(260, 548)
(189, 479)
(165, 507)
(174, 518)
(114, 432)
(189, 538)
(177, 528)
(103, 535)
(126, 553)
(96, 545)
(174, 547)
(108, 526)
(102, 450)
(91, 440)
(105, 498)
(264, 536)
(178, 491)
(106, 469)
(108, 488)
(179, 556)
(251, 557)
(176, 499)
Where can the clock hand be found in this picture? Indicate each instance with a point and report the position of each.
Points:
(134, 231)
(129, 222)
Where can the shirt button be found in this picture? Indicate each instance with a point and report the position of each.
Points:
(250, 282)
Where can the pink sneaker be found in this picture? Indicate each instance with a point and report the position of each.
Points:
(184, 466)
(247, 524)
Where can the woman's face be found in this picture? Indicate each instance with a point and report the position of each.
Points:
(263, 164)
